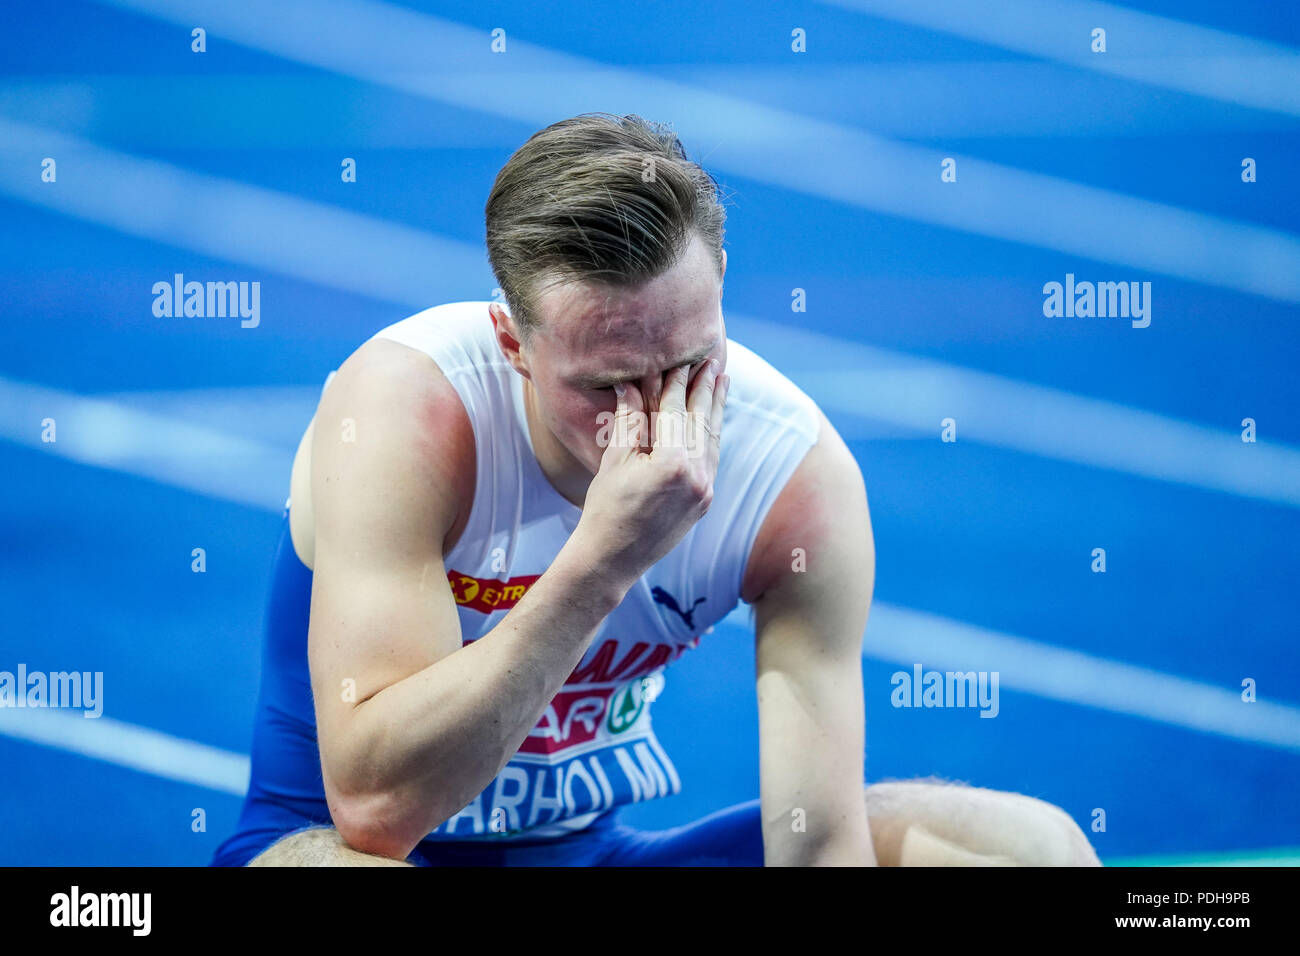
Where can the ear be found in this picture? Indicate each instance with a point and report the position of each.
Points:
(508, 339)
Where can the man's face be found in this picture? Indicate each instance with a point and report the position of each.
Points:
(589, 338)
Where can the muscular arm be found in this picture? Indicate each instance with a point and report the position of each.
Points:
(428, 724)
(809, 628)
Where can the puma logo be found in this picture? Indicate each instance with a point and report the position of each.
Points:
(667, 600)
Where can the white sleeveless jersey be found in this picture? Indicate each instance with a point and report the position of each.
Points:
(594, 748)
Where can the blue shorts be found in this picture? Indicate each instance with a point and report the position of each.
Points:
(730, 837)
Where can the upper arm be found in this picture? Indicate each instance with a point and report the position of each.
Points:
(810, 614)
(389, 453)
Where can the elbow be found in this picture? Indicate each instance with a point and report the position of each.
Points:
(376, 825)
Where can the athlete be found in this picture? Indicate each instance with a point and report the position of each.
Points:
(505, 521)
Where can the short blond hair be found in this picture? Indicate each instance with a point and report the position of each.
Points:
(598, 198)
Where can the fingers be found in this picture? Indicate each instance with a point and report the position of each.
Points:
(673, 397)
(670, 422)
(701, 428)
(638, 433)
(695, 424)
(702, 390)
(627, 431)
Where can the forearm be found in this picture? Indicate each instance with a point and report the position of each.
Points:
(421, 749)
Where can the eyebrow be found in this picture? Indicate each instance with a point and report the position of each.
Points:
(609, 378)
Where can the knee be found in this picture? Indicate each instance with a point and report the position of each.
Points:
(992, 824)
(1079, 851)
(318, 846)
(1057, 840)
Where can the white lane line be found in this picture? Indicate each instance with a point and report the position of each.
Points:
(927, 99)
(274, 414)
(894, 634)
(129, 745)
(907, 636)
(108, 434)
(852, 379)
(265, 230)
(389, 45)
(1173, 54)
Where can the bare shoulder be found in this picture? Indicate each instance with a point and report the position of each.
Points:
(382, 370)
(821, 513)
(389, 428)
